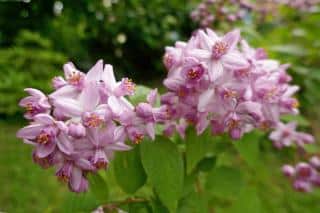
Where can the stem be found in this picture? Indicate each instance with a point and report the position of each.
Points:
(198, 186)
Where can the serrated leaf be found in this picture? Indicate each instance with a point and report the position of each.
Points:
(164, 167)
(99, 187)
(248, 147)
(128, 170)
(224, 182)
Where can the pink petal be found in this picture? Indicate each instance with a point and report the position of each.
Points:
(64, 144)
(90, 97)
(67, 91)
(150, 130)
(108, 77)
(232, 38)
(30, 132)
(114, 105)
(44, 150)
(44, 119)
(84, 164)
(234, 60)
(95, 72)
(76, 177)
(152, 97)
(35, 92)
(205, 99)
(68, 107)
(118, 147)
(215, 70)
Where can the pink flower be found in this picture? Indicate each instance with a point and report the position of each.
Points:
(220, 53)
(304, 176)
(34, 104)
(91, 119)
(286, 135)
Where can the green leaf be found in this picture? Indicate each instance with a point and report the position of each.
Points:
(128, 170)
(193, 203)
(224, 182)
(140, 94)
(196, 148)
(248, 147)
(164, 167)
(248, 201)
(157, 206)
(142, 207)
(99, 187)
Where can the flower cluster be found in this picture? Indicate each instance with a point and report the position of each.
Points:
(212, 82)
(303, 5)
(209, 12)
(285, 135)
(305, 176)
(79, 126)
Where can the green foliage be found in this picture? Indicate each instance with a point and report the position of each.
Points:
(164, 167)
(225, 182)
(24, 66)
(248, 147)
(99, 187)
(196, 148)
(128, 170)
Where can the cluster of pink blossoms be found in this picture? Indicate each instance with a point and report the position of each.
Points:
(212, 82)
(305, 176)
(79, 126)
(210, 11)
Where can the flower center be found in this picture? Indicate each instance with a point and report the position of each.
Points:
(265, 125)
(100, 164)
(129, 85)
(63, 177)
(233, 124)
(295, 104)
(219, 49)
(43, 138)
(195, 72)
(230, 94)
(138, 137)
(74, 78)
(29, 108)
(271, 93)
(93, 121)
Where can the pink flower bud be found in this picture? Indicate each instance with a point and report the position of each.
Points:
(76, 130)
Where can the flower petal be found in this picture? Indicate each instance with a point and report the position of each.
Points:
(76, 177)
(90, 97)
(232, 38)
(95, 73)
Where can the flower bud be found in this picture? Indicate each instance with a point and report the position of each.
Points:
(76, 130)
(288, 170)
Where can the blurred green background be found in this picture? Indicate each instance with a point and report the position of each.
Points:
(37, 37)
